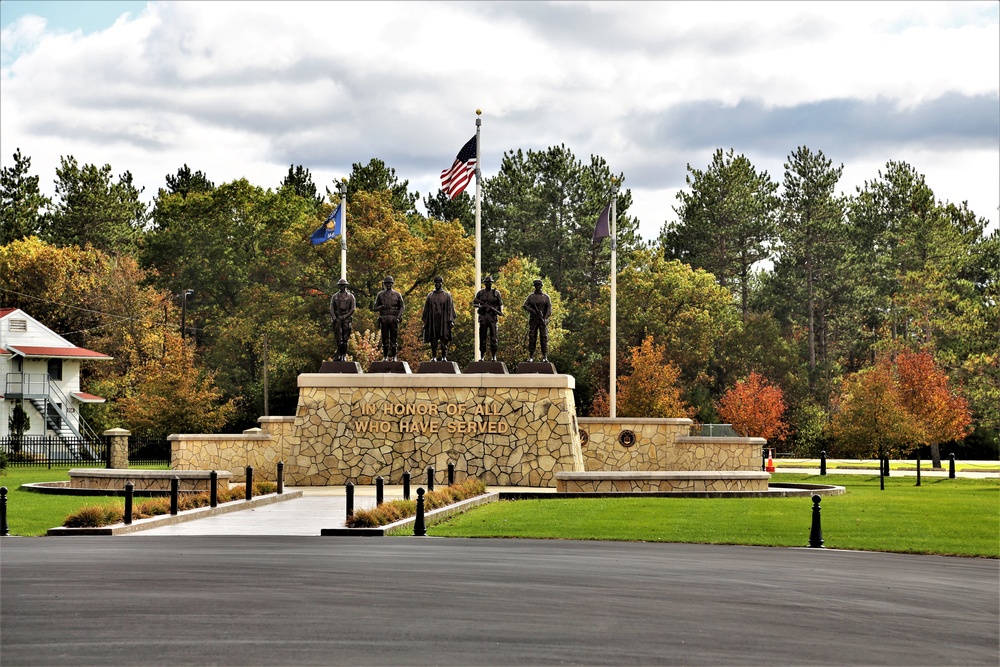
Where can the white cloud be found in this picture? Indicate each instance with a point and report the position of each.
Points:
(245, 89)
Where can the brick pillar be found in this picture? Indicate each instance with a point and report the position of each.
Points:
(119, 447)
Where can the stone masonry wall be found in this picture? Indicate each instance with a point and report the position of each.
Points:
(505, 430)
(661, 444)
(227, 452)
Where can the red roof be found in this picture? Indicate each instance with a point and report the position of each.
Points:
(58, 352)
(84, 397)
(4, 312)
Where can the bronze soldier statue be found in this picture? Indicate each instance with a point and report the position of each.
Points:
(389, 307)
(490, 307)
(439, 316)
(539, 308)
(342, 305)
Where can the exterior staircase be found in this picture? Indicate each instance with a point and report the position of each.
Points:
(50, 402)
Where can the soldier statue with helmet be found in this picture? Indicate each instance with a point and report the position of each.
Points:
(342, 306)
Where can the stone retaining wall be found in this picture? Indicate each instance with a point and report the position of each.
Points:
(146, 480)
(233, 452)
(661, 444)
(646, 482)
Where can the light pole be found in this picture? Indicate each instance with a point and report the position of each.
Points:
(184, 302)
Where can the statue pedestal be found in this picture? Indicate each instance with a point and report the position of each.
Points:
(487, 367)
(546, 367)
(508, 430)
(389, 367)
(340, 367)
(446, 367)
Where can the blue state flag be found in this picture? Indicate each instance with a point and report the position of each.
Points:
(331, 227)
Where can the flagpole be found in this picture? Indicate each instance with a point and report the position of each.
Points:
(479, 233)
(342, 188)
(613, 413)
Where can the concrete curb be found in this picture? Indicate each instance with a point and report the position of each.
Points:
(181, 517)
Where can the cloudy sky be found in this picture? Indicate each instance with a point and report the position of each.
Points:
(247, 88)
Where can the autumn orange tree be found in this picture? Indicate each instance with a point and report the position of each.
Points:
(942, 415)
(755, 408)
(870, 417)
(652, 389)
(172, 395)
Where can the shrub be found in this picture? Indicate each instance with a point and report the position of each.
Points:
(97, 515)
(396, 510)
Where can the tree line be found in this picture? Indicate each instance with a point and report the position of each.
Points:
(785, 283)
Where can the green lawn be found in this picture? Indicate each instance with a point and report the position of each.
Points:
(942, 516)
(30, 513)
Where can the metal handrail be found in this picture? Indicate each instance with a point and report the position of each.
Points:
(16, 386)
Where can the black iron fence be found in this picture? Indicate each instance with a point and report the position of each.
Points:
(148, 451)
(53, 451)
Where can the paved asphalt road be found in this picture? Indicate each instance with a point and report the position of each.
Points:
(422, 601)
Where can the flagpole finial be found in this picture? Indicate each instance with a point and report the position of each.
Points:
(479, 112)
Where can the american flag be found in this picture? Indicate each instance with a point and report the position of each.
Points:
(455, 178)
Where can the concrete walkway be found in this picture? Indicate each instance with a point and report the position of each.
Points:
(319, 507)
(326, 506)
(988, 469)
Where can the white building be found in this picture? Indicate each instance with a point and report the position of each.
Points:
(41, 369)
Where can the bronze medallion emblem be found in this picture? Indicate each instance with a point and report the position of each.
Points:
(626, 438)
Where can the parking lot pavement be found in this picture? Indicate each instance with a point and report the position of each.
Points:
(415, 600)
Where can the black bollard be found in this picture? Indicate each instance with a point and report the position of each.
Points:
(175, 489)
(379, 491)
(816, 532)
(213, 488)
(951, 466)
(419, 529)
(918, 472)
(430, 478)
(451, 474)
(281, 476)
(129, 490)
(406, 485)
(4, 528)
(248, 487)
(349, 491)
(822, 462)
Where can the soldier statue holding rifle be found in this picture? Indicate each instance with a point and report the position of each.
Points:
(539, 308)
(490, 307)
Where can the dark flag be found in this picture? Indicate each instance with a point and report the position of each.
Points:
(603, 227)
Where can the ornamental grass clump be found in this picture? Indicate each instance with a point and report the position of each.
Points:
(95, 516)
(397, 510)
